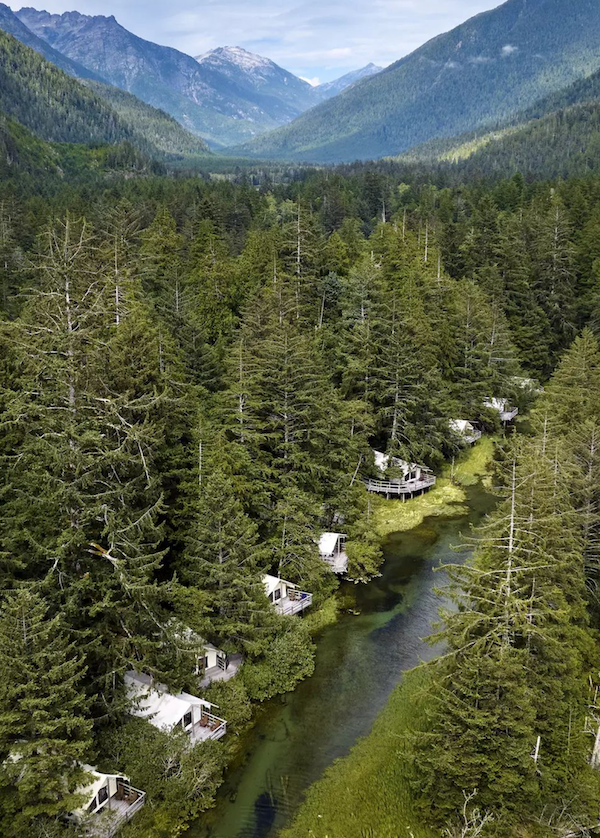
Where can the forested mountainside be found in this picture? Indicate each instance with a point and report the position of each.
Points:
(225, 96)
(10, 23)
(489, 68)
(56, 107)
(194, 373)
(160, 130)
(26, 160)
(562, 144)
(584, 92)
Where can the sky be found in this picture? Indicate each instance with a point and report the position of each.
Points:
(318, 40)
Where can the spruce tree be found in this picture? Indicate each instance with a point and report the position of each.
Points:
(44, 725)
(223, 561)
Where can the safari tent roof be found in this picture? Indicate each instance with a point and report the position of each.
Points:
(496, 404)
(272, 582)
(188, 634)
(154, 703)
(461, 426)
(382, 461)
(328, 542)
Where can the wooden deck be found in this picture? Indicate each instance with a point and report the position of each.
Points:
(471, 439)
(295, 604)
(209, 727)
(338, 562)
(509, 415)
(218, 673)
(109, 820)
(395, 488)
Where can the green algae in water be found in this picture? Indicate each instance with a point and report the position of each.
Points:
(360, 660)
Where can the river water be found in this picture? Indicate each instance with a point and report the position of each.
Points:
(359, 661)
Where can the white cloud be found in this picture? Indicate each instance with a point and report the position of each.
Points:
(509, 49)
(313, 82)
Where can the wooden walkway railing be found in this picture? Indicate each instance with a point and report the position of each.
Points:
(107, 823)
(397, 489)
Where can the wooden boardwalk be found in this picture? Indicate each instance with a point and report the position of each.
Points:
(391, 488)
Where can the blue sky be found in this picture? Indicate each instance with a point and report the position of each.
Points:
(316, 39)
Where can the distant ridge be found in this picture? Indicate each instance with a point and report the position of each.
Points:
(332, 88)
(227, 95)
(488, 69)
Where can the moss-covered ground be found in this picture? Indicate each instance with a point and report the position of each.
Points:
(367, 794)
(447, 498)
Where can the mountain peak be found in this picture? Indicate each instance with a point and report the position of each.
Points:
(238, 56)
(332, 88)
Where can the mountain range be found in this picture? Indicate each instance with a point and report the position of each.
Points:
(226, 96)
(489, 68)
(488, 94)
(59, 108)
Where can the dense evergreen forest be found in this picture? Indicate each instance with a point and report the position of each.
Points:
(194, 370)
(59, 108)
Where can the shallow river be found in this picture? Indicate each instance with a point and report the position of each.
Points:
(359, 661)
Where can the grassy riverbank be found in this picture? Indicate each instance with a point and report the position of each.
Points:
(368, 792)
(447, 498)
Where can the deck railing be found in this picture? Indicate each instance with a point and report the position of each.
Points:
(338, 562)
(295, 602)
(108, 821)
(473, 437)
(509, 415)
(217, 727)
(401, 489)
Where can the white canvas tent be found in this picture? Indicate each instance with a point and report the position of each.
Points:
(109, 801)
(165, 711)
(332, 549)
(506, 413)
(285, 595)
(407, 472)
(465, 430)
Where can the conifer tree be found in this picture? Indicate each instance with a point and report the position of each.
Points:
(409, 387)
(44, 725)
(553, 276)
(528, 322)
(223, 561)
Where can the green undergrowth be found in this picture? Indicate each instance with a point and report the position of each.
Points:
(474, 464)
(446, 499)
(326, 615)
(401, 516)
(367, 794)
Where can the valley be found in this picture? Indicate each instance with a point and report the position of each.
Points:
(300, 421)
